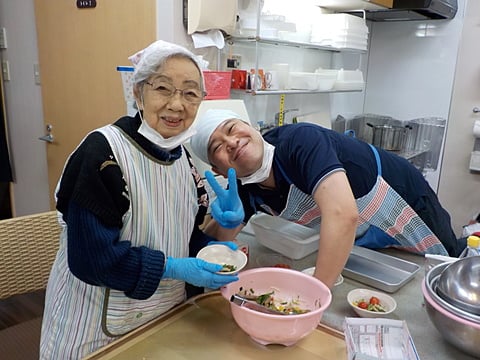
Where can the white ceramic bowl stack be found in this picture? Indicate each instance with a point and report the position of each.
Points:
(340, 31)
(349, 80)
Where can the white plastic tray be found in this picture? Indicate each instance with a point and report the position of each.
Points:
(292, 240)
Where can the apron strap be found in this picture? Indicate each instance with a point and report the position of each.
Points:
(377, 159)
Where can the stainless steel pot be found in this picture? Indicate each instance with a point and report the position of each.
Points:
(389, 137)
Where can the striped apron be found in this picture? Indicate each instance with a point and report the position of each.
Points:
(382, 207)
(80, 318)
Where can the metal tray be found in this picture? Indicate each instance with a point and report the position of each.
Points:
(379, 270)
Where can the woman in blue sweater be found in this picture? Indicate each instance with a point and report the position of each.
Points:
(130, 202)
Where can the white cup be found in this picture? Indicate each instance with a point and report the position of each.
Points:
(282, 70)
(271, 80)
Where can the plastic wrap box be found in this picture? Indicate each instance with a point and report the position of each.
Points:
(371, 339)
(292, 240)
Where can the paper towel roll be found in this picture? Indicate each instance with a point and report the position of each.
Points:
(208, 14)
(476, 129)
(208, 38)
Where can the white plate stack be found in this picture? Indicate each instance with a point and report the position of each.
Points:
(340, 31)
(349, 80)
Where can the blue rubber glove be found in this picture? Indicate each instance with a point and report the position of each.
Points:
(227, 208)
(197, 272)
(229, 244)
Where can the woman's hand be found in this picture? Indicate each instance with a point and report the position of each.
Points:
(197, 272)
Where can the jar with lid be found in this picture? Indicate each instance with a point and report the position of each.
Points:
(473, 247)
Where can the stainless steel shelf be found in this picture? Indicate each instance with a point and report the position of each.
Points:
(280, 92)
(409, 155)
(304, 45)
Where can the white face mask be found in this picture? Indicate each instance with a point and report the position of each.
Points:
(159, 140)
(262, 173)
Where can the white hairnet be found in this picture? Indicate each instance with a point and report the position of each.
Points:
(147, 61)
(205, 125)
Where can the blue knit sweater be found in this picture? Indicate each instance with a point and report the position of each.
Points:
(91, 201)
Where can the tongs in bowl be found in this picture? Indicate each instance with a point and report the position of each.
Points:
(253, 305)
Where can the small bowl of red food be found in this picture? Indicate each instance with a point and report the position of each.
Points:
(371, 304)
(274, 260)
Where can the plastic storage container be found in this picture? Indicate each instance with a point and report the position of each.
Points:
(217, 84)
(127, 81)
(292, 240)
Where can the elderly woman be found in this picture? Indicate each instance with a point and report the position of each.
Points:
(130, 203)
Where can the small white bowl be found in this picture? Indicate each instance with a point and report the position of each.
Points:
(223, 255)
(311, 271)
(386, 301)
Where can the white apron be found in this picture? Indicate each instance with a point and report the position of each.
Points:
(80, 318)
(382, 207)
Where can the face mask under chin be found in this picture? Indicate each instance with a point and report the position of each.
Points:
(166, 144)
(262, 173)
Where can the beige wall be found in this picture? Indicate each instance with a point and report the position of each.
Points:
(459, 188)
(24, 109)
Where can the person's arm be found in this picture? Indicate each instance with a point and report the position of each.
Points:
(220, 233)
(97, 257)
(337, 230)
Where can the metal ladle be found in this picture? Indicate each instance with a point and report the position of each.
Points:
(253, 305)
(459, 284)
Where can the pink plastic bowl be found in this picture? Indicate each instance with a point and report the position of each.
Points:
(287, 284)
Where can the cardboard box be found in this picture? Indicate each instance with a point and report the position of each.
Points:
(384, 3)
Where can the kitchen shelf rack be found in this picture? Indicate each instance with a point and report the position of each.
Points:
(292, 92)
(249, 39)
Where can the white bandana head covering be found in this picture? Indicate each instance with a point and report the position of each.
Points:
(146, 63)
(205, 125)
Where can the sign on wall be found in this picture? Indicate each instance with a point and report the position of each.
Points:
(84, 4)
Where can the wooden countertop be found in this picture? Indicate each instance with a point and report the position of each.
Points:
(203, 328)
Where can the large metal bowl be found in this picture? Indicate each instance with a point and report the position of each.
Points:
(458, 331)
(461, 333)
(431, 280)
(459, 284)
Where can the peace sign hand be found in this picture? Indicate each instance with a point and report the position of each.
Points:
(227, 208)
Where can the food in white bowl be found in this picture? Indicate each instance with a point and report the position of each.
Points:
(371, 304)
(232, 260)
(308, 294)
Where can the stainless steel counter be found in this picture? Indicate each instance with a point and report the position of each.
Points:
(410, 305)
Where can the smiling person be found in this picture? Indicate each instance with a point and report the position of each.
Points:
(306, 174)
(130, 203)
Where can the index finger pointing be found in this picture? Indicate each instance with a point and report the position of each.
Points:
(232, 181)
(216, 187)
